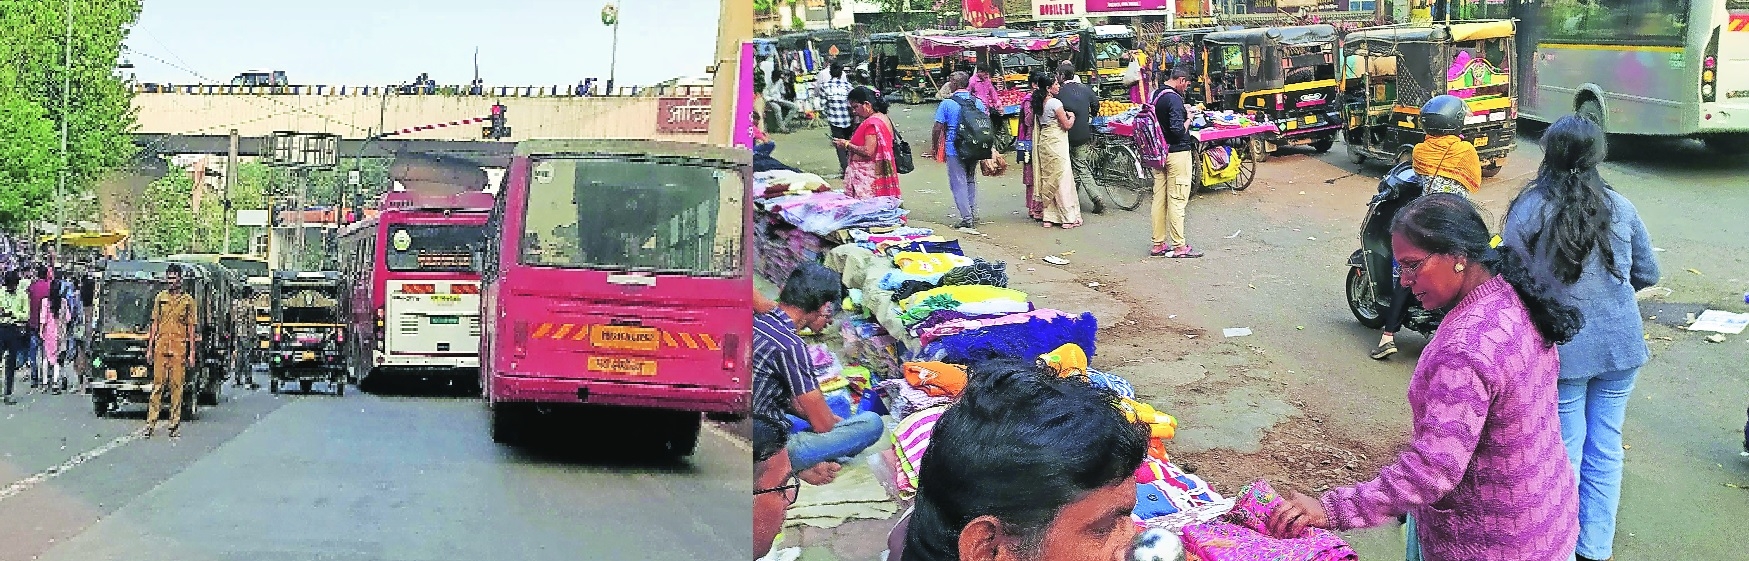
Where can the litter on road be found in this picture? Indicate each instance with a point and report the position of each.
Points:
(1236, 332)
(1720, 321)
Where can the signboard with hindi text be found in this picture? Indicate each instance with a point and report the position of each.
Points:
(682, 115)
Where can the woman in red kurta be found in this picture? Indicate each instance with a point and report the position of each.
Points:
(872, 171)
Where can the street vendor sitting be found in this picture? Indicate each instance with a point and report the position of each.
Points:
(1026, 462)
(784, 381)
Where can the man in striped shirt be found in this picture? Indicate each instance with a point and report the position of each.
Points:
(784, 382)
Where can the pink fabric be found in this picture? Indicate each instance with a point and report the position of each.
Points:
(1486, 475)
(955, 327)
(1243, 534)
(911, 437)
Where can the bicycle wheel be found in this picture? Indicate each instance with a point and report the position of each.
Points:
(1124, 182)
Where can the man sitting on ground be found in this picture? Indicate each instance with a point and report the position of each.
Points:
(784, 381)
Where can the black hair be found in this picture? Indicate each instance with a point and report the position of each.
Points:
(1449, 224)
(1579, 214)
(1041, 89)
(837, 70)
(13, 277)
(41, 270)
(57, 295)
(866, 94)
(173, 269)
(1180, 73)
(1019, 445)
(810, 286)
(1065, 71)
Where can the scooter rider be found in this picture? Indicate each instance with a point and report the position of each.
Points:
(1447, 164)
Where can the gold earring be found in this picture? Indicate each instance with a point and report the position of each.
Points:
(1459, 267)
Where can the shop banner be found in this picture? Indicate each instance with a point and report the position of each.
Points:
(982, 14)
(1070, 9)
(683, 115)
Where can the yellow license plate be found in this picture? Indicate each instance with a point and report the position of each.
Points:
(1481, 141)
(1311, 119)
(307, 355)
(445, 298)
(138, 372)
(109, 374)
(646, 339)
(626, 366)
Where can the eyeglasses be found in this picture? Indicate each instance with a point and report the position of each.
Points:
(791, 488)
(1412, 267)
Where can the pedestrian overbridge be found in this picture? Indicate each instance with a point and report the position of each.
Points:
(679, 113)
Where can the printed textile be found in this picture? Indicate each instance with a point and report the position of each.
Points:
(910, 287)
(1243, 534)
(916, 263)
(979, 272)
(1111, 382)
(907, 399)
(895, 279)
(911, 438)
(967, 294)
(824, 213)
(954, 327)
(1187, 498)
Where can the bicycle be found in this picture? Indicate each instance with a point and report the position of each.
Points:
(1117, 168)
(1132, 191)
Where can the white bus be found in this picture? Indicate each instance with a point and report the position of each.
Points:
(1641, 67)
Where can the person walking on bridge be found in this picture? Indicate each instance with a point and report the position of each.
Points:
(171, 341)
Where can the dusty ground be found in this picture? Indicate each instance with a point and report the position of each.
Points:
(1299, 403)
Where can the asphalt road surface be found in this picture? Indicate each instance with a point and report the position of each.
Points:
(389, 477)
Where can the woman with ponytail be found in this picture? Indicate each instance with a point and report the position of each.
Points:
(1485, 476)
(1586, 242)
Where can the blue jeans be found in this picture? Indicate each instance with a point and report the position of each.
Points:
(846, 439)
(1591, 417)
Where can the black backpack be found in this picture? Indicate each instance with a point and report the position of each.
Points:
(975, 137)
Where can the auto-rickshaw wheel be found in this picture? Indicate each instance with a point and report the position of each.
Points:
(1323, 145)
(305, 385)
(101, 403)
(1259, 148)
(1491, 170)
(1355, 155)
(339, 386)
(273, 386)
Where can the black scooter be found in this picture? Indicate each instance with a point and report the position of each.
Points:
(1372, 281)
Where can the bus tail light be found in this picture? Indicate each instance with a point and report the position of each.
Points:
(1280, 102)
(464, 289)
(1709, 69)
(731, 351)
(340, 335)
(519, 336)
(277, 333)
(419, 289)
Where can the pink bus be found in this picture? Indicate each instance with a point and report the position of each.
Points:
(620, 276)
(414, 274)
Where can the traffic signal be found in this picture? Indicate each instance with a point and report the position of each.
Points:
(496, 130)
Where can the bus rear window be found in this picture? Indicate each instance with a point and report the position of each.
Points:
(634, 215)
(435, 248)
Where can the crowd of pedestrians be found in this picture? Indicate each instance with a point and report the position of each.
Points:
(42, 319)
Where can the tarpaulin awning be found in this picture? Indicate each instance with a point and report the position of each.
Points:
(89, 239)
(934, 46)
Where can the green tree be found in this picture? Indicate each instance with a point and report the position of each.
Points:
(98, 114)
(27, 160)
(167, 222)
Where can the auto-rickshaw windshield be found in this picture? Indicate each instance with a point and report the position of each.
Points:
(126, 306)
(309, 304)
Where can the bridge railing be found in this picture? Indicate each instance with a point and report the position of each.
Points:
(447, 91)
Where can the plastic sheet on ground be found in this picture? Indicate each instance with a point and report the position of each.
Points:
(855, 495)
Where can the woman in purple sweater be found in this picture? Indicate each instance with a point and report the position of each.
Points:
(1485, 476)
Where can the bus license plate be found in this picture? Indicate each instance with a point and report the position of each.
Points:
(451, 298)
(623, 337)
(626, 366)
(307, 355)
(445, 320)
(1311, 119)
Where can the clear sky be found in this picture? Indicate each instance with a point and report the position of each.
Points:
(382, 42)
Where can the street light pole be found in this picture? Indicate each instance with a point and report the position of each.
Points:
(66, 162)
(613, 56)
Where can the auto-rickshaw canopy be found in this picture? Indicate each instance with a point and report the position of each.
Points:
(1294, 35)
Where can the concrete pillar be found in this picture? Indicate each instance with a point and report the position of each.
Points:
(734, 27)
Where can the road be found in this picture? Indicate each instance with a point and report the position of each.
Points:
(367, 477)
(1299, 402)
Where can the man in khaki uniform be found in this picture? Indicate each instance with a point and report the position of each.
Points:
(171, 342)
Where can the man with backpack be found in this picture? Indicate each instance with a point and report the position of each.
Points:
(1079, 100)
(1172, 181)
(966, 137)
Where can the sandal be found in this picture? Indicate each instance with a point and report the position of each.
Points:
(1159, 250)
(1185, 252)
(1071, 225)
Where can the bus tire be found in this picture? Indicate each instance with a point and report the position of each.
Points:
(682, 437)
(507, 424)
(1591, 110)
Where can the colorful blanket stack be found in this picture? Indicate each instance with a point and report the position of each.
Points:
(782, 247)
